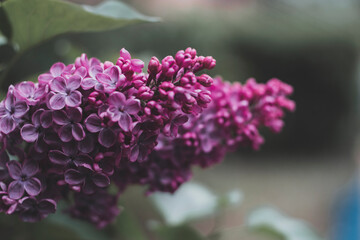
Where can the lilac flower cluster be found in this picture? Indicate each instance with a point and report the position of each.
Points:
(85, 125)
(231, 120)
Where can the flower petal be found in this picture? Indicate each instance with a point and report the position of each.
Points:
(74, 82)
(117, 99)
(88, 83)
(93, 123)
(45, 78)
(58, 84)
(83, 159)
(114, 73)
(100, 180)
(103, 78)
(16, 190)
(125, 122)
(78, 132)
(73, 99)
(57, 69)
(65, 133)
(107, 137)
(26, 89)
(47, 206)
(132, 106)
(29, 133)
(7, 124)
(14, 168)
(81, 71)
(75, 114)
(46, 119)
(58, 157)
(87, 144)
(30, 168)
(95, 70)
(61, 118)
(57, 101)
(73, 177)
(134, 154)
(33, 186)
(21, 108)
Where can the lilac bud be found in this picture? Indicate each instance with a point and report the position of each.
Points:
(209, 62)
(205, 80)
(154, 66)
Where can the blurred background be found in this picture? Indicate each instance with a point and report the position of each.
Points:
(309, 170)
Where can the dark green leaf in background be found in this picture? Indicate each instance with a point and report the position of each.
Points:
(5, 27)
(34, 21)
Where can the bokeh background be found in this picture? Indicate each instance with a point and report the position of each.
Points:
(309, 170)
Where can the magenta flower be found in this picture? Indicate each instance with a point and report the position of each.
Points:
(40, 119)
(83, 61)
(30, 92)
(69, 155)
(91, 81)
(55, 71)
(94, 124)
(66, 93)
(121, 108)
(69, 121)
(87, 179)
(34, 210)
(110, 79)
(11, 111)
(24, 179)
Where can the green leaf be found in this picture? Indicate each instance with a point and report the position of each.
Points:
(84, 230)
(34, 21)
(5, 27)
(177, 233)
(271, 222)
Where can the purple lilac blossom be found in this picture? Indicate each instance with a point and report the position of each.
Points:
(70, 133)
(86, 125)
(230, 121)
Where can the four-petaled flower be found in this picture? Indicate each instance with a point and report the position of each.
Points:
(11, 112)
(120, 109)
(87, 179)
(24, 179)
(56, 70)
(40, 120)
(66, 93)
(96, 124)
(69, 155)
(69, 121)
(34, 210)
(111, 79)
(30, 92)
